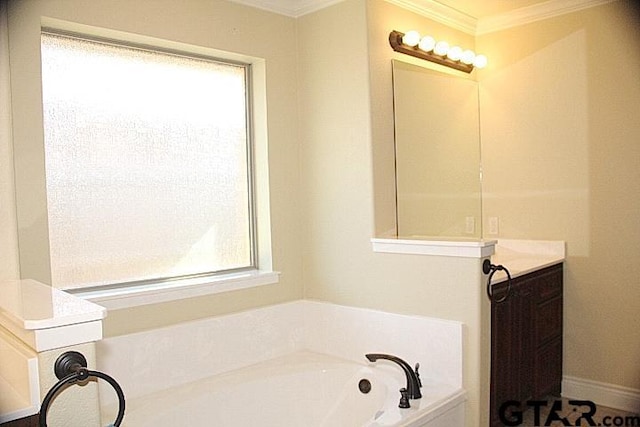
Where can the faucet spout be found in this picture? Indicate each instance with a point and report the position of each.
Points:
(413, 383)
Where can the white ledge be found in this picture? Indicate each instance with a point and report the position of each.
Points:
(452, 248)
(32, 305)
(138, 295)
(45, 318)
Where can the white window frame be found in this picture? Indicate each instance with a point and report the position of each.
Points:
(169, 289)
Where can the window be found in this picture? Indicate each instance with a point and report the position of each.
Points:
(148, 160)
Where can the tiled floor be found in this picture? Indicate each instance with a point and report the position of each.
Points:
(574, 415)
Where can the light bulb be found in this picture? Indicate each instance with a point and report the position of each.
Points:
(467, 57)
(427, 43)
(455, 53)
(411, 38)
(480, 61)
(441, 48)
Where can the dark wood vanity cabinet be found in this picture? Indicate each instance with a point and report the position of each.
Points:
(526, 339)
(32, 421)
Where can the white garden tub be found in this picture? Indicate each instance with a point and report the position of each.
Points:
(300, 389)
(295, 364)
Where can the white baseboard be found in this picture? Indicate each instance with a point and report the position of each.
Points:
(610, 395)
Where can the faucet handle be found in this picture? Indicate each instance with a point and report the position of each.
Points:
(418, 375)
(404, 399)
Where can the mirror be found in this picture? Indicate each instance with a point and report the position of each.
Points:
(438, 187)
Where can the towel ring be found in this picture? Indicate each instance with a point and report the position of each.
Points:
(71, 368)
(490, 269)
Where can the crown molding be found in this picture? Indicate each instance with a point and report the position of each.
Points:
(440, 13)
(537, 12)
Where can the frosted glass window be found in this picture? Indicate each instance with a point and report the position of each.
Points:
(147, 163)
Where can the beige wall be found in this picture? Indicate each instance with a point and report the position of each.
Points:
(9, 267)
(211, 24)
(345, 105)
(561, 159)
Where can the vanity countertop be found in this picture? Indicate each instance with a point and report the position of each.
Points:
(521, 257)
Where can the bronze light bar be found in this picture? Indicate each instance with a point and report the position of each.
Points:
(395, 40)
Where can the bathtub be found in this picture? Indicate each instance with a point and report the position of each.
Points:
(295, 364)
(300, 389)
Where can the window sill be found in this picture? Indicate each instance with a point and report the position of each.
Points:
(133, 296)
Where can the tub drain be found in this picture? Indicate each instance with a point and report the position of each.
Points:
(364, 385)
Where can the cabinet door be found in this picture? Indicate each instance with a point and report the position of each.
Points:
(548, 320)
(547, 369)
(547, 366)
(505, 353)
(526, 339)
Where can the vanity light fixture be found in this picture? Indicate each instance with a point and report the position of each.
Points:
(411, 43)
